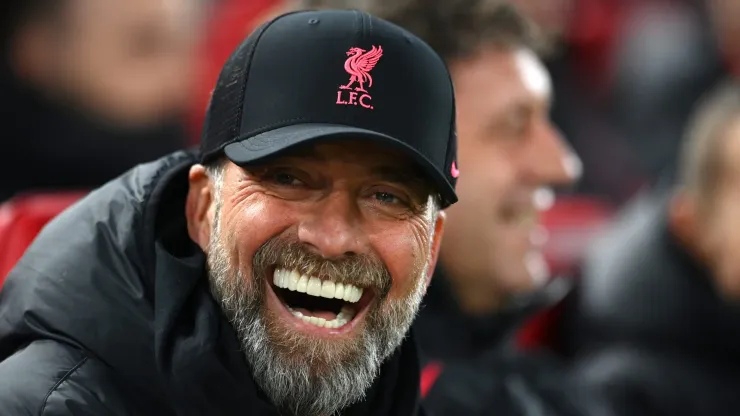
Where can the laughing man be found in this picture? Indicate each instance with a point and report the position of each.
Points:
(276, 271)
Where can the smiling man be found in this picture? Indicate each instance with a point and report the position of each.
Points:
(276, 272)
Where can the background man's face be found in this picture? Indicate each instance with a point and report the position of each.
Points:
(129, 61)
(287, 234)
(508, 149)
(720, 223)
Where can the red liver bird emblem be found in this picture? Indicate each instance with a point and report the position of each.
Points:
(358, 66)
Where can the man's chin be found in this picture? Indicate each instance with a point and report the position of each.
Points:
(537, 267)
(304, 344)
(520, 272)
(306, 374)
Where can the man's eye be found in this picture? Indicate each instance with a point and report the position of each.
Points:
(287, 179)
(387, 198)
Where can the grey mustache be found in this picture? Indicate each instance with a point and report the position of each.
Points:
(357, 269)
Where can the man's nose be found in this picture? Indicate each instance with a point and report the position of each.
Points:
(552, 161)
(332, 228)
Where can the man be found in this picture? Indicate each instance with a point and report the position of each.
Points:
(280, 274)
(82, 77)
(657, 317)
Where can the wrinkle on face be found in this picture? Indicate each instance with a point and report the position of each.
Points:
(249, 204)
(339, 210)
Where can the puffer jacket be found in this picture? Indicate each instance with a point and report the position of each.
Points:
(474, 365)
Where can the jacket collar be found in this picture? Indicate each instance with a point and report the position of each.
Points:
(441, 319)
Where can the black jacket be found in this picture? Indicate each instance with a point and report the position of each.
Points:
(649, 329)
(109, 313)
(472, 365)
(447, 333)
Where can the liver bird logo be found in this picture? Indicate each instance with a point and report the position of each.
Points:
(358, 66)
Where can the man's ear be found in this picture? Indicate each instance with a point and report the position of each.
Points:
(439, 228)
(683, 220)
(197, 206)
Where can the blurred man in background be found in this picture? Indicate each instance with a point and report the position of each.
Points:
(83, 77)
(657, 318)
(509, 153)
(490, 260)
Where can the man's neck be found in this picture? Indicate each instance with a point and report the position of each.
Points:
(475, 299)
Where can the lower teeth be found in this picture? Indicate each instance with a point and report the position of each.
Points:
(342, 318)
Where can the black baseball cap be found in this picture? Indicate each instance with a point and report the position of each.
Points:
(313, 75)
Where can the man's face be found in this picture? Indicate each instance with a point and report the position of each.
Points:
(128, 61)
(508, 151)
(320, 259)
(719, 230)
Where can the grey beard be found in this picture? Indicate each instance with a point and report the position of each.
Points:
(302, 375)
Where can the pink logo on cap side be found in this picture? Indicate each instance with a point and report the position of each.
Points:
(358, 66)
(453, 171)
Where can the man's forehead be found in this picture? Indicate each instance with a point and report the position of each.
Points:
(533, 74)
(366, 157)
(500, 79)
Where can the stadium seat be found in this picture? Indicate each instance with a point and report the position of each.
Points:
(22, 218)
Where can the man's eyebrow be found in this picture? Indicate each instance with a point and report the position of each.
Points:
(399, 176)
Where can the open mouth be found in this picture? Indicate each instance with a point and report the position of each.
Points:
(321, 303)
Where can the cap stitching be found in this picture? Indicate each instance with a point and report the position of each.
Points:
(356, 24)
(248, 135)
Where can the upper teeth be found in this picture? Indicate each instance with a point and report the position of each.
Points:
(292, 280)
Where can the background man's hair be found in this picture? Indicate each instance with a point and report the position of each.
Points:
(701, 162)
(454, 28)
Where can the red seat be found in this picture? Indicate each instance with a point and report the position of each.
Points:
(22, 218)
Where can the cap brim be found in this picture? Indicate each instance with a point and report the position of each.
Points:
(261, 146)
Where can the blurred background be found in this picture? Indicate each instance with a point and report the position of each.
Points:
(91, 88)
(87, 94)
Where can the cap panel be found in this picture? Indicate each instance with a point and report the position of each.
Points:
(299, 75)
(344, 68)
(224, 115)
